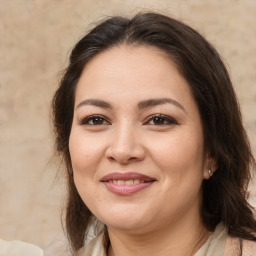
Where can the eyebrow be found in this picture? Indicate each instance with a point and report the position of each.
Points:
(95, 102)
(155, 102)
(141, 105)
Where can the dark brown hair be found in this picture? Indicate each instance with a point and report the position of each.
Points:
(225, 194)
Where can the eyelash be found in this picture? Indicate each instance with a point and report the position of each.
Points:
(86, 121)
(163, 119)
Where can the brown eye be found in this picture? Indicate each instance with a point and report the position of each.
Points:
(158, 121)
(94, 120)
(161, 120)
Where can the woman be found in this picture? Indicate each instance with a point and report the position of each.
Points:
(148, 124)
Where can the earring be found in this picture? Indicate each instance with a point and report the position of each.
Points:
(210, 172)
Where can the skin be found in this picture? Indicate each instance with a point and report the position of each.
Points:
(164, 218)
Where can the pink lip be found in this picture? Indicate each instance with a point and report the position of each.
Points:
(126, 190)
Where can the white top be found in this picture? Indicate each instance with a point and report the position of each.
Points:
(18, 248)
(214, 245)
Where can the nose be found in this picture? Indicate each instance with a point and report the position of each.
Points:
(125, 147)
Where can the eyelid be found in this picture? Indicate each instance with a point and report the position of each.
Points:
(85, 120)
(170, 120)
(167, 118)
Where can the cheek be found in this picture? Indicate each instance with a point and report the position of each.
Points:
(85, 152)
(180, 159)
(85, 159)
(182, 151)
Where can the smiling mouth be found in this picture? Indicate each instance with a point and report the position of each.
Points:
(125, 184)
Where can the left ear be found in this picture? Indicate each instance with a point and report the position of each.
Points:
(210, 166)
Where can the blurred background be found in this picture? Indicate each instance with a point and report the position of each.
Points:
(36, 37)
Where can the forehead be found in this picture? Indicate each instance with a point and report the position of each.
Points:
(130, 57)
(125, 68)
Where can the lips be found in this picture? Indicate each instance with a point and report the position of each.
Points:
(126, 183)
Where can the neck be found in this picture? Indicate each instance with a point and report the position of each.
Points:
(178, 239)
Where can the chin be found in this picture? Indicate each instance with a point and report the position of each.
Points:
(135, 227)
(125, 219)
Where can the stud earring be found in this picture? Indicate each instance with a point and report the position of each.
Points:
(210, 172)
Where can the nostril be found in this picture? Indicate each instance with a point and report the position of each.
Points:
(122, 158)
(111, 158)
(125, 152)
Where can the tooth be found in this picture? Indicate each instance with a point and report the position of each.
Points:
(128, 182)
(115, 181)
(136, 181)
(120, 182)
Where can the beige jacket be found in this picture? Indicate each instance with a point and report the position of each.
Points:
(218, 244)
(232, 248)
(18, 248)
(237, 247)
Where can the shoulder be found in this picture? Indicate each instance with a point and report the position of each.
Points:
(19, 248)
(58, 248)
(93, 247)
(234, 246)
(249, 248)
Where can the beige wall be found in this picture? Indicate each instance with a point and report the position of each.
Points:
(36, 38)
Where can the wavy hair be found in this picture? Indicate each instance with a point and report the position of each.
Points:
(225, 194)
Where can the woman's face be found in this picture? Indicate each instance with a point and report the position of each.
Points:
(136, 142)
